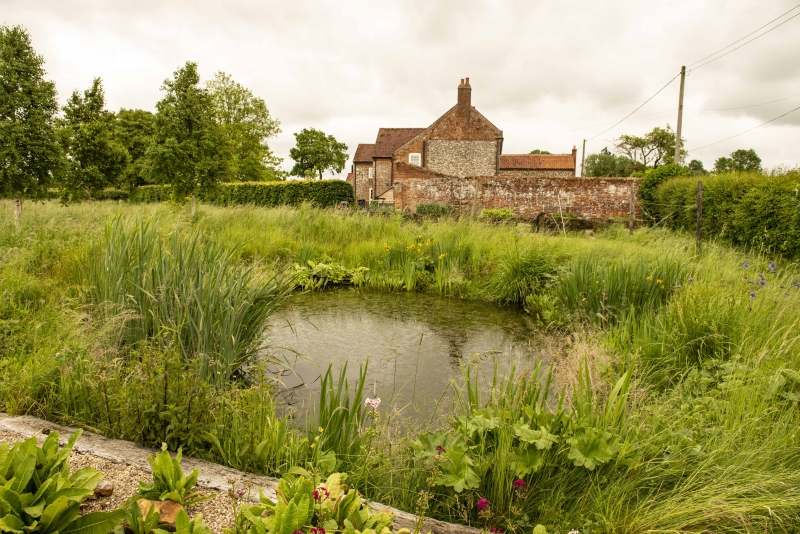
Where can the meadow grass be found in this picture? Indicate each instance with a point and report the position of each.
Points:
(696, 425)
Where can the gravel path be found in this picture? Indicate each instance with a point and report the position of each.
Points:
(217, 512)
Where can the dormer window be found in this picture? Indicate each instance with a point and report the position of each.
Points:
(415, 158)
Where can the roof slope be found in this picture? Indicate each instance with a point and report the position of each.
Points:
(537, 161)
(364, 153)
(390, 139)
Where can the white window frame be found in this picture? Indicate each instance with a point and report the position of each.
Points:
(370, 195)
(411, 159)
(372, 173)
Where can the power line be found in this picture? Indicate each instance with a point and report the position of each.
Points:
(601, 124)
(746, 43)
(750, 130)
(637, 109)
(744, 107)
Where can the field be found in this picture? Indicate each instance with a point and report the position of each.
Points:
(134, 321)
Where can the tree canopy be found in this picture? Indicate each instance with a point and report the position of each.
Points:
(247, 124)
(96, 159)
(134, 130)
(539, 151)
(316, 153)
(654, 148)
(739, 161)
(605, 164)
(189, 151)
(29, 151)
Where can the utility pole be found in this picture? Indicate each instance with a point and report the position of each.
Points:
(680, 119)
(699, 227)
(583, 156)
(630, 209)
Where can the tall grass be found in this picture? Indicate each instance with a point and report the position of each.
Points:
(183, 291)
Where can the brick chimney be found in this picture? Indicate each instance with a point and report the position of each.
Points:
(464, 94)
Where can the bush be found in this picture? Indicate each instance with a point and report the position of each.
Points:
(752, 210)
(502, 213)
(322, 193)
(649, 184)
(435, 210)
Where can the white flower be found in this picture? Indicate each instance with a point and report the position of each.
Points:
(373, 403)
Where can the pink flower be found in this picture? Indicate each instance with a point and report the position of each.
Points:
(518, 483)
(317, 530)
(321, 492)
(373, 403)
(483, 504)
(440, 449)
(496, 530)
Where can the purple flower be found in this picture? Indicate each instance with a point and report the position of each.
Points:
(691, 280)
(763, 283)
(321, 492)
(483, 504)
(752, 294)
(496, 530)
(746, 265)
(772, 266)
(518, 483)
(240, 493)
(795, 284)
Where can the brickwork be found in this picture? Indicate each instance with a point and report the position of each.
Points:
(461, 158)
(527, 197)
(537, 173)
(363, 182)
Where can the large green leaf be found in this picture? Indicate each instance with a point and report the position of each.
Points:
(23, 474)
(96, 523)
(11, 523)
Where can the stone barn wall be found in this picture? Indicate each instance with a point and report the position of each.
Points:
(527, 197)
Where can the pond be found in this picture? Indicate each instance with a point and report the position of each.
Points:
(415, 344)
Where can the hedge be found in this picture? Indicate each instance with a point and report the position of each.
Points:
(323, 193)
(435, 210)
(749, 210)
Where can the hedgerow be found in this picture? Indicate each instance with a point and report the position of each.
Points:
(750, 210)
(322, 193)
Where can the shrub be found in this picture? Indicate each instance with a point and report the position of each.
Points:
(749, 210)
(169, 483)
(321, 193)
(435, 210)
(649, 184)
(498, 214)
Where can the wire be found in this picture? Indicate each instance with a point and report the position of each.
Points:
(745, 37)
(750, 130)
(744, 107)
(601, 124)
(748, 42)
(637, 109)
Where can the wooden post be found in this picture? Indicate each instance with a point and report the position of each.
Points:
(583, 157)
(699, 229)
(630, 206)
(680, 119)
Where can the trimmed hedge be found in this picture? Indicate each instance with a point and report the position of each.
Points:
(322, 193)
(749, 210)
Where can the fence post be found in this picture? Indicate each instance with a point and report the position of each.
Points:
(630, 209)
(699, 229)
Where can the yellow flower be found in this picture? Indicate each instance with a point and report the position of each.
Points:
(659, 282)
(441, 256)
(649, 278)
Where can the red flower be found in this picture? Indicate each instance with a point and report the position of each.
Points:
(483, 504)
(440, 449)
(518, 484)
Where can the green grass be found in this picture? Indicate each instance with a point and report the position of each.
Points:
(689, 375)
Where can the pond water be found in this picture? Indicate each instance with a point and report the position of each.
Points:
(415, 344)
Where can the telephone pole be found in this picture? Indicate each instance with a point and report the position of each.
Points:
(583, 156)
(680, 119)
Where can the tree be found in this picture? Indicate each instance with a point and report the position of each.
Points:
(190, 152)
(248, 125)
(95, 158)
(655, 148)
(30, 155)
(696, 168)
(134, 130)
(316, 152)
(538, 151)
(739, 161)
(605, 164)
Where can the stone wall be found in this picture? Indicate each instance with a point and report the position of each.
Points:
(363, 183)
(527, 197)
(538, 173)
(383, 175)
(461, 158)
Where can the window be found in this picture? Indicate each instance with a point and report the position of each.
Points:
(370, 192)
(415, 158)
(371, 173)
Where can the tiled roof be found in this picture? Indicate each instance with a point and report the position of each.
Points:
(537, 161)
(390, 139)
(364, 153)
(350, 177)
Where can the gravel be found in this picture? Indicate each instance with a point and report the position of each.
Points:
(217, 512)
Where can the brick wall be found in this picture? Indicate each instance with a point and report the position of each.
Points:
(537, 173)
(527, 197)
(461, 158)
(383, 174)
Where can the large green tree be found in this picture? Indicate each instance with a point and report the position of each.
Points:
(606, 164)
(654, 148)
(96, 159)
(190, 151)
(739, 161)
(248, 125)
(134, 130)
(30, 155)
(316, 153)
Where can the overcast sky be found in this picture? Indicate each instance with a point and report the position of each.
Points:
(537, 68)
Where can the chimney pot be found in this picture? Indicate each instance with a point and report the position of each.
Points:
(462, 81)
(467, 81)
(464, 94)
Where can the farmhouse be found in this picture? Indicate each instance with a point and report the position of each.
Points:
(461, 144)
